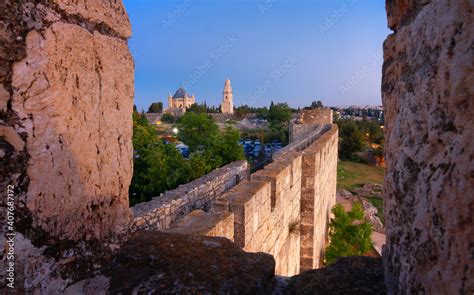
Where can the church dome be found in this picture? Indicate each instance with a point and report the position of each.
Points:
(181, 93)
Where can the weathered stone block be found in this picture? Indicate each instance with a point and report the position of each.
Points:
(63, 115)
(109, 13)
(427, 92)
(249, 217)
(279, 176)
(198, 222)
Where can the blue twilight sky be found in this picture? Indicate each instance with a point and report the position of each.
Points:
(293, 51)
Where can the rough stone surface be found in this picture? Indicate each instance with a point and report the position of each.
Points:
(66, 89)
(351, 275)
(108, 12)
(215, 223)
(428, 91)
(345, 194)
(166, 263)
(370, 215)
(368, 190)
(72, 109)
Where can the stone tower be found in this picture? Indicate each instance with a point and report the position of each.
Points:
(227, 106)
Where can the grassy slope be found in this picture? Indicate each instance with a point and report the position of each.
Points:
(351, 175)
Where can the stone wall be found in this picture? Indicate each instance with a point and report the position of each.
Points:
(428, 91)
(318, 197)
(302, 142)
(66, 97)
(307, 120)
(283, 210)
(161, 211)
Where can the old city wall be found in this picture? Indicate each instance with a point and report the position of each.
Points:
(283, 210)
(172, 205)
(307, 120)
(428, 91)
(319, 181)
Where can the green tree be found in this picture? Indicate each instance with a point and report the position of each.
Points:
(140, 118)
(352, 139)
(197, 108)
(144, 135)
(279, 115)
(316, 104)
(262, 113)
(202, 135)
(228, 147)
(156, 107)
(197, 130)
(199, 164)
(349, 233)
(168, 118)
(157, 167)
(373, 130)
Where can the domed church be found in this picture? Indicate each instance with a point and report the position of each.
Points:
(180, 100)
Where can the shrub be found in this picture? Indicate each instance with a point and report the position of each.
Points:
(168, 118)
(349, 233)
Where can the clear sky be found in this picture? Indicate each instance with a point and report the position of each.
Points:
(294, 51)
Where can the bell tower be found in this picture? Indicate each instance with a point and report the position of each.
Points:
(227, 106)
